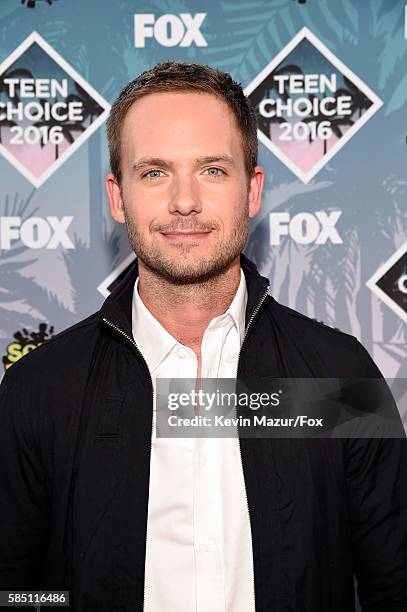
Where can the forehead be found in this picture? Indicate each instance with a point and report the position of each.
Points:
(180, 124)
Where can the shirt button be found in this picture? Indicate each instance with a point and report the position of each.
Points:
(181, 352)
(209, 545)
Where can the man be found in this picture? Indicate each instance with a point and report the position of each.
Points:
(94, 502)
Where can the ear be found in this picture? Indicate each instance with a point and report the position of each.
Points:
(256, 183)
(115, 198)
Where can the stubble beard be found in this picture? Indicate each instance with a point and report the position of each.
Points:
(182, 270)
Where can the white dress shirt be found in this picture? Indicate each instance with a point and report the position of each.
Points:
(199, 549)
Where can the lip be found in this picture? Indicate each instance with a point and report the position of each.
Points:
(186, 235)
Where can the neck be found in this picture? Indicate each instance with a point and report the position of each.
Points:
(186, 310)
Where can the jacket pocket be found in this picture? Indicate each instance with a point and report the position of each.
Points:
(110, 418)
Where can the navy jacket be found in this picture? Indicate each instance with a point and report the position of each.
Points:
(75, 443)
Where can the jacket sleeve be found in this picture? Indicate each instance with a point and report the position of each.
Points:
(377, 489)
(24, 507)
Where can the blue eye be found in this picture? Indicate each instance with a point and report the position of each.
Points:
(215, 171)
(153, 174)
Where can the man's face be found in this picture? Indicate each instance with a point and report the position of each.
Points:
(185, 194)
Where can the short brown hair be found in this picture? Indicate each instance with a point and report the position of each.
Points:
(180, 76)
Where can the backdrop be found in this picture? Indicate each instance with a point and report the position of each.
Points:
(328, 79)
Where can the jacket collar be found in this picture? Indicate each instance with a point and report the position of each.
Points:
(117, 307)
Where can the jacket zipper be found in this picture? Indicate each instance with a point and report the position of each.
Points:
(133, 343)
(253, 316)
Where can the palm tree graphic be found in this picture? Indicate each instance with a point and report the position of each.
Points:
(32, 3)
(359, 102)
(90, 107)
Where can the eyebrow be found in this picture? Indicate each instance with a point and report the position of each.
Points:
(164, 163)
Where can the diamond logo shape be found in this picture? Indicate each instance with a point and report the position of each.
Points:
(389, 282)
(47, 110)
(309, 104)
(114, 278)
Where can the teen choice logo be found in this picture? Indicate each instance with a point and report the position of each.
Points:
(47, 110)
(24, 342)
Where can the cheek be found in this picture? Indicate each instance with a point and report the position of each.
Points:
(227, 200)
(141, 217)
(139, 220)
(135, 205)
(145, 203)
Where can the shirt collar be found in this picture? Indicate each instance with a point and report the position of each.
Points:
(155, 342)
(237, 308)
(152, 339)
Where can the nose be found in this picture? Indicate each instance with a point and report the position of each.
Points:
(185, 198)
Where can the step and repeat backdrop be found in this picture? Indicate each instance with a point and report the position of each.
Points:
(328, 79)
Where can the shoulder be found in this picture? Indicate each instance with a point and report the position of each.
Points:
(340, 353)
(312, 326)
(304, 324)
